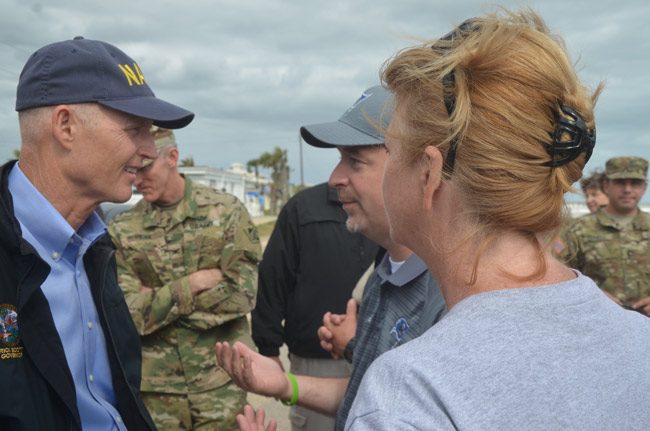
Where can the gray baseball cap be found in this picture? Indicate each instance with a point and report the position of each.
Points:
(359, 125)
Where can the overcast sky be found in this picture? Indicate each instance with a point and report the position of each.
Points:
(254, 71)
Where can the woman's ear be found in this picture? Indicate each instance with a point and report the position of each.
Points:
(431, 174)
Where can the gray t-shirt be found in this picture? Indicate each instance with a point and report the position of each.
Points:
(554, 357)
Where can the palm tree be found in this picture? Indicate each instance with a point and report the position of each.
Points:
(278, 163)
(187, 161)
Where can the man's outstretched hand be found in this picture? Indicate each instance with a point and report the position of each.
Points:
(253, 372)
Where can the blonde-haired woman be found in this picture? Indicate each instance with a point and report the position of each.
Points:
(492, 127)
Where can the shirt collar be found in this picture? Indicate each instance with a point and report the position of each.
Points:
(155, 216)
(410, 270)
(38, 216)
(639, 221)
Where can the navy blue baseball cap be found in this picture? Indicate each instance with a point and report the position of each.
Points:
(361, 124)
(85, 71)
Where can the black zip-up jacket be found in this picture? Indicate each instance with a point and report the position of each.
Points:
(37, 391)
(310, 266)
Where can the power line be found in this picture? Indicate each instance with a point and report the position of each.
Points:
(10, 72)
(15, 47)
(13, 72)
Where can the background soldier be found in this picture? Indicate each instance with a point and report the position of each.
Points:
(612, 246)
(187, 258)
(592, 187)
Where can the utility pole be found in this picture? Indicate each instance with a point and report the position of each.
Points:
(302, 178)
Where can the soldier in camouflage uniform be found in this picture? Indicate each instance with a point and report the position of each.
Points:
(612, 246)
(187, 263)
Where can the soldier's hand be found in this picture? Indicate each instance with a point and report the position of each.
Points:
(145, 289)
(252, 420)
(204, 279)
(341, 329)
(253, 372)
(643, 305)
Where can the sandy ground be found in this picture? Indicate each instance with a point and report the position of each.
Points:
(274, 409)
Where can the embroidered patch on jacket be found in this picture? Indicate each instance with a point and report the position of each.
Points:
(9, 334)
(399, 329)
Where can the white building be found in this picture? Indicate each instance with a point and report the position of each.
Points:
(234, 180)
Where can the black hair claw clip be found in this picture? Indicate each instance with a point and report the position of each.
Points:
(570, 138)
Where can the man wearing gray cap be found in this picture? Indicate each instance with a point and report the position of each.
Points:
(400, 301)
(612, 246)
(310, 265)
(72, 360)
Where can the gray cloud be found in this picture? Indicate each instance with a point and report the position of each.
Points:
(254, 71)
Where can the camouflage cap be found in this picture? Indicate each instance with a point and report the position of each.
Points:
(163, 138)
(626, 167)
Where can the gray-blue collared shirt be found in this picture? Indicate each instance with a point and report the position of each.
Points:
(395, 308)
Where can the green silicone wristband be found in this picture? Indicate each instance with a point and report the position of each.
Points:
(294, 390)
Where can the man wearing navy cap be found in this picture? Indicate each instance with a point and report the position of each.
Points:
(71, 361)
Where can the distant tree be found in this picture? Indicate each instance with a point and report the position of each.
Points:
(187, 161)
(278, 162)
(16, 154)
(298, 188)
(254, 166)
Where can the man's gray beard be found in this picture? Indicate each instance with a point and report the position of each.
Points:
(352, 226)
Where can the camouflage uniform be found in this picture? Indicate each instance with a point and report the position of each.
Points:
(616, 256)
(159, 248)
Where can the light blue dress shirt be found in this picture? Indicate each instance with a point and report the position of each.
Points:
(68, 292)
